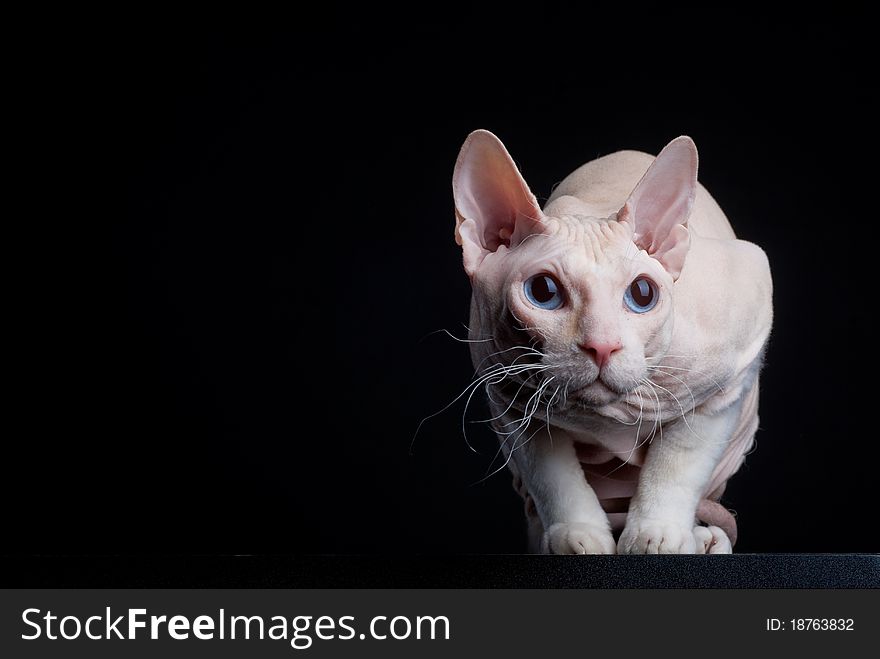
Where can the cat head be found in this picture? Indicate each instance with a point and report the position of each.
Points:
(593, 295)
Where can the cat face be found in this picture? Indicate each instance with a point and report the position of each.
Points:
(594, 296)
(587, 297)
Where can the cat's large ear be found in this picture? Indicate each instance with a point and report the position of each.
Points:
(660, 205)
(493, 204)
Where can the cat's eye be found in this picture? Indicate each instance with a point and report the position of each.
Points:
(642, 295)
(544, 292)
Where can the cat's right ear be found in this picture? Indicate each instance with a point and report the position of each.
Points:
(493, 204)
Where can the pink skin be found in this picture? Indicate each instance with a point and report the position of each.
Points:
(593, 341)
(607, 225)
(600, 352)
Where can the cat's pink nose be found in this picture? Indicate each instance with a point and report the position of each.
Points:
(600, 352)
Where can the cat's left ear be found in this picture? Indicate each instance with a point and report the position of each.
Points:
(660, 205)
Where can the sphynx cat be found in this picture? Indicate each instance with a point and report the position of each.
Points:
(619, 332)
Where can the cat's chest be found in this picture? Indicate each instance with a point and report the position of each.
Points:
(599, 440)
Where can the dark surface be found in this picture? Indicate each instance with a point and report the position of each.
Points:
(508, 571)
(235, 231)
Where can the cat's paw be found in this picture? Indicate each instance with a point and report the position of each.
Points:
(577, 538)
(654, 536)
(712, 540)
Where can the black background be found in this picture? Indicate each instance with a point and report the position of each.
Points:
(232, 234)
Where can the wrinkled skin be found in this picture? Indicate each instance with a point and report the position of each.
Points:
(671, 391)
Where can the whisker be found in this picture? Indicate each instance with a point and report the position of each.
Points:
(527, 367)
(636, 444)
(680, 407)
(549, 404)
(514, 397)
(684, 418)
(532, 352)
(683, 383)
(493, 372)
(690, 370)
(527, 414)
(443, 330)
(524, 423)
(658, 419)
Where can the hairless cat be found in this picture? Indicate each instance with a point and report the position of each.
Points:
(619, 332)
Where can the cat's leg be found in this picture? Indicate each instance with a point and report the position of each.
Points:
(677, 469)
(534, 528)
(568, 510)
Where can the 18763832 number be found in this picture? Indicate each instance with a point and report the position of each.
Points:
(811, 625)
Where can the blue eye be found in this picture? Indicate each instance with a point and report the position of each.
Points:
(642, 295)
(544, 292)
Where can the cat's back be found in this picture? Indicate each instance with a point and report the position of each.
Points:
(603, 185)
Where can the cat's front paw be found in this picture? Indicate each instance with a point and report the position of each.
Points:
(712, 540)
(653, 536)
(577, 538)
